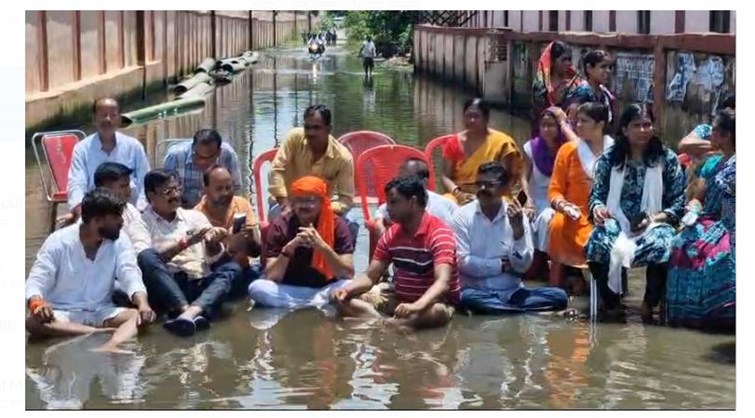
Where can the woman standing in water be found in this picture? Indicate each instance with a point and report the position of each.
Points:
(554, 81)
(539, 157)
(473, 147)
(596, 65)
(637, 197)
(701, 287)
(570, 188)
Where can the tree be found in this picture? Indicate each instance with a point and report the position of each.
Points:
(385, 27)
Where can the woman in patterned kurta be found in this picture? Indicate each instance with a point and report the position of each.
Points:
(596, 66)
(701, 289)
(637, 156)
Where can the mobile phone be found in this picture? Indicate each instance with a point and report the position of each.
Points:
(239, 220)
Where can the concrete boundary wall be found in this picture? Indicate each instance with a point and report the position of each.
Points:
(684, 76)
(73, 57)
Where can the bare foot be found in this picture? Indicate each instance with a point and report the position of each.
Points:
(111, 350)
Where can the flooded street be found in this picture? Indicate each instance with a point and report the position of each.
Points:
(269, 359)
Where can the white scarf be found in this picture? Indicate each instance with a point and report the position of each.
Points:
(622, 254)
(587, 158)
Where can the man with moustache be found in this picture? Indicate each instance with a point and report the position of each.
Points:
(495, 249)
(70, 286)
(422, 251)
(308, 251)
(107, 144)
(221, 207)
(185, 270)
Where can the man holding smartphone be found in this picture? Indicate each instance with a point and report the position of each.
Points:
(235, 214)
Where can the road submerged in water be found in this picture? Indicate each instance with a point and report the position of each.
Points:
(262, 358)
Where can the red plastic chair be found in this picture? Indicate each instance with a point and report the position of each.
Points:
(360, 141)
(58, 153)
(430, 149)
(380, 165)
(261, 159)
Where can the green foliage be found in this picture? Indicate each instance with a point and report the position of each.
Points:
(384, 26)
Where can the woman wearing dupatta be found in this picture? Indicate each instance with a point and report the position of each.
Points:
(596, 65)
(701, 288)
(570, 186)
(477, 145)
(637, 196)
(539, 157)
(554, 81)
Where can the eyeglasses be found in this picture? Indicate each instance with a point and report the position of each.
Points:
(487, 184)
(312, 127)
(309, 201)
(177, 190)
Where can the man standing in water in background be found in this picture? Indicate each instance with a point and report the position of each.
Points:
(368, 52)
(312, 150)
(105, 145)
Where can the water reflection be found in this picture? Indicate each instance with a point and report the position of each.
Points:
(268, 359)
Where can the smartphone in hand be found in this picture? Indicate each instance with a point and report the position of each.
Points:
(239, 221)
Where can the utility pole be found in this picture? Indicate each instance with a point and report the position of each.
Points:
(213, 34)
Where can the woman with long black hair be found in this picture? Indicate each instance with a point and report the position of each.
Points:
(637, 197)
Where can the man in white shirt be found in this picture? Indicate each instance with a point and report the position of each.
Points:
(368, 53)
(116, 177)
(107, 144)
(69, 288)
(437, 205)
(494, 249)
(187, 280)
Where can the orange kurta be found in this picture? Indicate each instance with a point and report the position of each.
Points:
(569, 181)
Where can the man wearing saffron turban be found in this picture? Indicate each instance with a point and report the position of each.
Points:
(308, 251)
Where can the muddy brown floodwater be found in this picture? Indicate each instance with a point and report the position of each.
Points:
(269, 359)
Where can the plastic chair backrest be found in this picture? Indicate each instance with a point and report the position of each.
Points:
(430, 150)
(261, 159)
(360, 141)
(379, 165)
(58, 149)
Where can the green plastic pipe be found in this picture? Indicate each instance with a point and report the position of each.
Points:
(186, 85)
(207, 65)
(198, 90)
(162, 109)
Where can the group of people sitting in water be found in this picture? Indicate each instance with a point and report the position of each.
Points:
(573, 198)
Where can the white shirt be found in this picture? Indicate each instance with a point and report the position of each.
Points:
(88, 155)
(163, 233)
(68, 280)
(437, 205)
(482, 244)
(368, 49)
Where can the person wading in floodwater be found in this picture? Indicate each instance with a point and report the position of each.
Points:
(368, 52)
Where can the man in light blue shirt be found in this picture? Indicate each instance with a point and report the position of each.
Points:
(190, 160)
(437, 205)
(106, 145)
(494, 249)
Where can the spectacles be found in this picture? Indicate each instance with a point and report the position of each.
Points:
(487, 184)
(310, 201)
(167, 192)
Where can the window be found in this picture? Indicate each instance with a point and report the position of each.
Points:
(553, 20)
(643, 22)
(588, 20)
(720, 21)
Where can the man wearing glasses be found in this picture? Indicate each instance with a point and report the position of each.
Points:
(191, 160)
(494, 249)
(184, 269)
(312, 150)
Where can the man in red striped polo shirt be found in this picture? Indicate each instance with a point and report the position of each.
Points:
(423, 252)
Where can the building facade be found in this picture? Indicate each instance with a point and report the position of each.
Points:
(651, 22)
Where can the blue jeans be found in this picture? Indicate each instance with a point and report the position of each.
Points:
(525, 299)
(274, 211)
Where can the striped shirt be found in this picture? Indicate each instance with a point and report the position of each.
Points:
(414, 258)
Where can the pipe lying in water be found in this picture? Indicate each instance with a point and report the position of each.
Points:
(161, 109)
(198, 90)
(186, 85)
(207, 65)
(233, 65)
